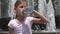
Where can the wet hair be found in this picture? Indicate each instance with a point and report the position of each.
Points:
(18, 2)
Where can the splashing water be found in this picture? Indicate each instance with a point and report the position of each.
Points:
(48, 11)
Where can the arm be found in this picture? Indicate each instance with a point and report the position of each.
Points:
(10, 30)
(36, 20)
(42, 17)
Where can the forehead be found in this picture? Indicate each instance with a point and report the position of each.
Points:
(23, 4)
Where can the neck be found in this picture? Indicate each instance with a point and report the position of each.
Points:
(21, 19)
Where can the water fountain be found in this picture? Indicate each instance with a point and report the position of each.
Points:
(48, 11)
(56, 4)
(45, 8)
(11, 8)
(50, 14)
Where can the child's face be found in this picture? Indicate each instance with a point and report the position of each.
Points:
(20, 8)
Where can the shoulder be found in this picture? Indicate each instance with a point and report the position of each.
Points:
(11, 22)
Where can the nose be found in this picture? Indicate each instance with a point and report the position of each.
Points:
(25, 7)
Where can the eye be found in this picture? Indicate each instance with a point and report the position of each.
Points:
(21, 6)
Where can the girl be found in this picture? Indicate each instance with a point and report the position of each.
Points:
(22, 24)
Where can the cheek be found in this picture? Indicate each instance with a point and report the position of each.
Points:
(19, 12)
(20, 9)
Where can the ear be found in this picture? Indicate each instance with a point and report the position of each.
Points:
(15, 9)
